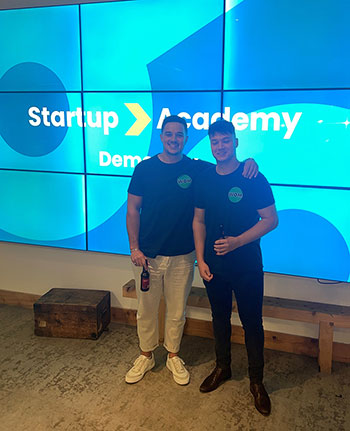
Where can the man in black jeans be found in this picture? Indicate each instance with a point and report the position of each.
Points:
(231, 215)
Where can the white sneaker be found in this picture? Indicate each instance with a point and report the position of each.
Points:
(176, 366)
(141, 365)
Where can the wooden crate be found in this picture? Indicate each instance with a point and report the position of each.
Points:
(72, 313)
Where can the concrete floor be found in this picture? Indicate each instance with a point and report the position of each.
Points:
(66, 384)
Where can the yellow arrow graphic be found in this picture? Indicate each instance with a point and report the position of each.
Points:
(142, 119)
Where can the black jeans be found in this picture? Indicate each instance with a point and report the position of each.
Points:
(248, 288)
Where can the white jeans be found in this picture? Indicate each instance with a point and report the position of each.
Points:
(173, 276)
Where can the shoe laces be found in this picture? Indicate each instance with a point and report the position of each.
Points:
(178, 364)
(140, 363)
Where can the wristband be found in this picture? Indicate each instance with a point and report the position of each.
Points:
(133, 249)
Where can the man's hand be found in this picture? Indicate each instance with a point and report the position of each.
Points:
(138, 258)
(251, 169)
(204, 271)
(225, 245)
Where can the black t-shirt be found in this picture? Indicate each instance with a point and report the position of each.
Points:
(167, 205)
(231, 203)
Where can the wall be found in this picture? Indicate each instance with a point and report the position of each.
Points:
(32, 269)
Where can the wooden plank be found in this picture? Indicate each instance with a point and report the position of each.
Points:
(276, 308)
(296, 344)
(72, 297)
(290, 343)
(129, 290)
(273, 340)
(341, 352)
(325, 347)
(308, 306)
(123, 315)
(286, 309)
(25, 300)
(293, 314)
(341, 321)
(66, 324)
(198, 301)
(199, 328)
(237, 334)
(195, 300)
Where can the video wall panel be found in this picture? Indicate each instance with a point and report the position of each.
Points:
(152, 45)
(84, 90)
(42, 208)
(41, 131)
(40, 49)
(313, 234)
(293, 44)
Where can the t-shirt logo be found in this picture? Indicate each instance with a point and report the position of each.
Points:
(235, 194)
(184, 181)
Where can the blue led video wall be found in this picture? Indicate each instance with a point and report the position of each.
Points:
(85, 88)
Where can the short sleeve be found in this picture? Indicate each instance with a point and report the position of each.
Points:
(263, 195)
(136, 186)
(199, 201)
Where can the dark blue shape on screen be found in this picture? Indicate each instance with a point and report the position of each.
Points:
(15, 128)
(111, 236)
(31, 77)
(193, 64)
(308, 245)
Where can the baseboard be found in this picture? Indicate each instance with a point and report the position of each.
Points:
(20, 299)
(202, 328)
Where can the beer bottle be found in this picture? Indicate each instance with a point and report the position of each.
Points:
(144, 280)
(222, 232)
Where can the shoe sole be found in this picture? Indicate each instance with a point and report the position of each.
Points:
(177, 380)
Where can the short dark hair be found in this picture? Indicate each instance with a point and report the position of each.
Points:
(174, 119)
(221, 126)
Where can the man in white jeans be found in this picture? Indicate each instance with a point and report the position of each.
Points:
(159, 222)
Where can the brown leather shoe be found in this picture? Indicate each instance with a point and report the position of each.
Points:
(214, 379)
(261, 398)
